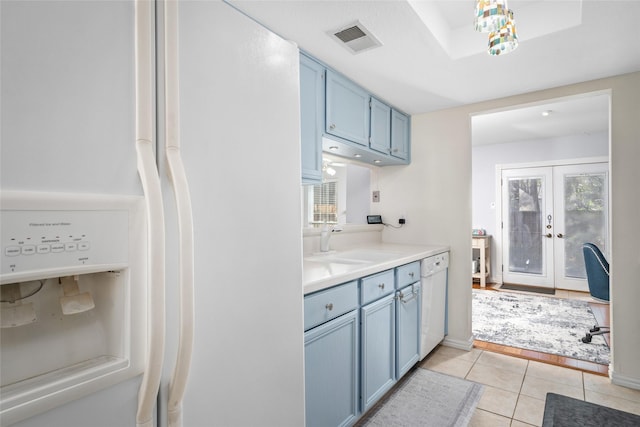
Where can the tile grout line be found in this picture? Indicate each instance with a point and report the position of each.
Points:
(513, 413)
(520, 394)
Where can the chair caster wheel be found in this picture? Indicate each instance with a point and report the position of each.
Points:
(587, 338)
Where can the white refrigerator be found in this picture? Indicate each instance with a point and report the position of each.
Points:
(70, 123)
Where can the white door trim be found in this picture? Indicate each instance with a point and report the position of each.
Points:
(497, 241)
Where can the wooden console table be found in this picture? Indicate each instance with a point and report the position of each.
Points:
(483, 244)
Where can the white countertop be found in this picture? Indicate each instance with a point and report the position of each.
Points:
(323, 270)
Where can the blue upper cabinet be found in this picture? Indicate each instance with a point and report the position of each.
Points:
(380, 138)
(342, 118)
(311, 119)
(347, 110)
(400, 130)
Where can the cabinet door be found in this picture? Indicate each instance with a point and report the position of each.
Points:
(408, 327)
(378, 349)
(347, 110)
(331, 372)
(311, 119)
(400, 129)
(380, 138)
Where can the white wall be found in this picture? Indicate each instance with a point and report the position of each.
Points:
(435, 192)
(486, 157)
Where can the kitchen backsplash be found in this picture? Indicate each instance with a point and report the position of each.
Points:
(350, 235)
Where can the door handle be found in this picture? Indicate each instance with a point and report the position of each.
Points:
(548, 235)
(560, 235)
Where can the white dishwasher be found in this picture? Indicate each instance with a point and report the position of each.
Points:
(434, 272)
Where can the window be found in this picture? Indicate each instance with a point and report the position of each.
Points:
(325, 204)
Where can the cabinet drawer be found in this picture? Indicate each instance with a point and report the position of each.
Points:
(325, 305)
(376, 286)
(407, 274)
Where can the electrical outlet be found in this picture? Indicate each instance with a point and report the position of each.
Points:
(376, 196)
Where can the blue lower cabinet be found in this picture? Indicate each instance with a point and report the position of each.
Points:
(332, 372)
(378, 349)
(361, 337)
(408, 308)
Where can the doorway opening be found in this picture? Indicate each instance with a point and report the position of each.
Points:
(559, 136)
(576, 128)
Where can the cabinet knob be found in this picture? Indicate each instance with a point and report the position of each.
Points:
(329, 306)
(381, 285)
(548, 235)
(411, 274)
(332, 126)
(560, 235)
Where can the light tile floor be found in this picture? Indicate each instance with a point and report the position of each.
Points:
(515, 389)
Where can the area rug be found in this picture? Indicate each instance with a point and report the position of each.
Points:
(427, 399)
(545, 324)
(563, 411)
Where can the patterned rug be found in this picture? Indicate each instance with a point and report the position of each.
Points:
(426, 399)
(539, 323)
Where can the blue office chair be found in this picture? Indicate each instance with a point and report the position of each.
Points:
(598, 279)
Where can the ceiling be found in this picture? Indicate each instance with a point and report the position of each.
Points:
(579, 115)
(431, 57)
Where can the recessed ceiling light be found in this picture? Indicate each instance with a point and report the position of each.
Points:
(357, 156)
(333, 148)
(377, 161)
(547, 113)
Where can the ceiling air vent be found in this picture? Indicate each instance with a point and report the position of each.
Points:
(355, 37)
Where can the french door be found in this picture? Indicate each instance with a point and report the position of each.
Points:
(547, 214)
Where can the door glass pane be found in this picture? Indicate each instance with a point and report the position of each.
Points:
(525, 225)
(584, 213)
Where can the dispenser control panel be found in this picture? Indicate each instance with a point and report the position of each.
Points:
(57, 240)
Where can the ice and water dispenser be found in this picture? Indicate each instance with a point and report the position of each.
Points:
(73, 297)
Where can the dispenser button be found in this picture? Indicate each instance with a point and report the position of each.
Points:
(12, 251)
(83, 246)
(28, 250)
(57, 247)
(70, 247)
(43, 249)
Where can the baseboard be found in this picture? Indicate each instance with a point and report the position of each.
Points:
(621, 380)
(459, 344)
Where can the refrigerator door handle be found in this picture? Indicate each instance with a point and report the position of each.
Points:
(155, 214)
(178, 382)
